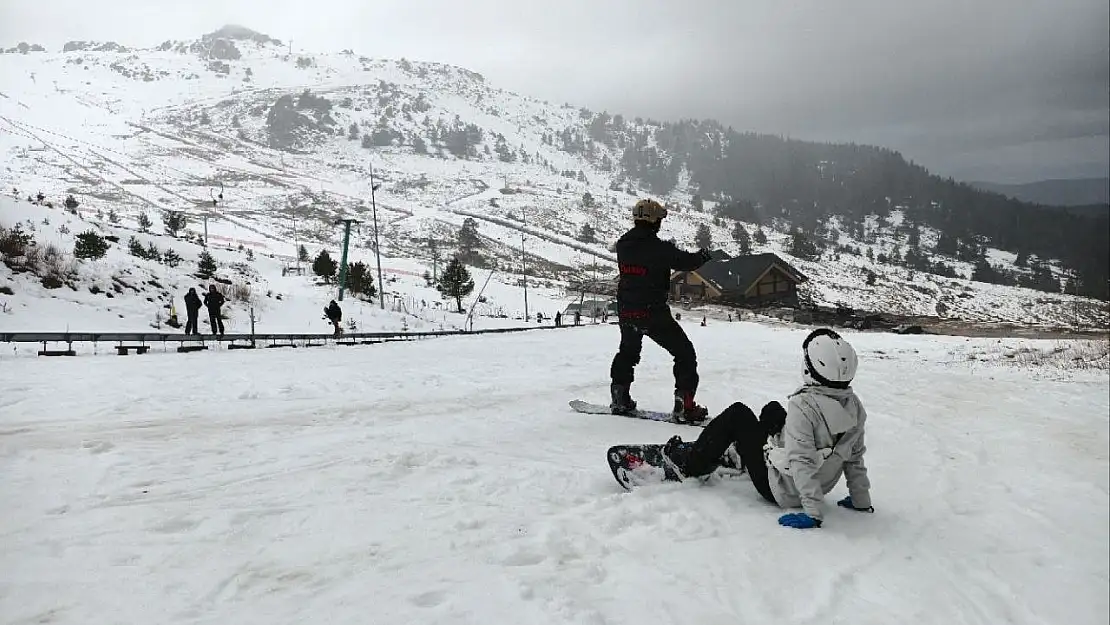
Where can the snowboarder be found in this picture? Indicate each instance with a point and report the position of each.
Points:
(334, 315)
(213, 299)
(558, 319)
(795, 456)
(645, 263)
(192, 310)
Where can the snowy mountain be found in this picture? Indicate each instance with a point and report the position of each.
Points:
(266, 148)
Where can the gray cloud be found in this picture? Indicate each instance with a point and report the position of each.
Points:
(987, 89)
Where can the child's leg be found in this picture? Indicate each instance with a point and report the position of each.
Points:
(736, 425)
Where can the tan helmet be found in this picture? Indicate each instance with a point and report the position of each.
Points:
(648, 210)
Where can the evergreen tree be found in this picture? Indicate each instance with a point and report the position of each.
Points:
(697, 203)
(90, 245)
(302, 253)
(802, 246)
(171, 258)
(360, 280)
(984, 272)
(468, 238)
(759, 237)
(144, 223)
(743, 240)
(703, 238)
(587, 234)
(206, 265)
(174, 222)
(455, 282)
(324, 266)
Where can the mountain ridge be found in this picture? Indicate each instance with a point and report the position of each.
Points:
(290, 140)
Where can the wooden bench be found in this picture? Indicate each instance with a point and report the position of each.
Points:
(57, 352)
(123, 350)
(68, 351)
(185, 349)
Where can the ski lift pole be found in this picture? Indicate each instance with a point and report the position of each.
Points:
(343, 259)
(216, 199)
(470, 313)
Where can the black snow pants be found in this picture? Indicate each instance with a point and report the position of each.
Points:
(737, 425)
(216, 321)
(661, 327)
(191, 322)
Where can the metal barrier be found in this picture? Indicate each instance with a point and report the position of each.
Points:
(275, 340)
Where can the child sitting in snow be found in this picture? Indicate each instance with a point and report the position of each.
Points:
(795, 456)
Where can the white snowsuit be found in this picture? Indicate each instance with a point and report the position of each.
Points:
(822, 439)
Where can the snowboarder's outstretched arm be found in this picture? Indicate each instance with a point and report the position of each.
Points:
(686, 261)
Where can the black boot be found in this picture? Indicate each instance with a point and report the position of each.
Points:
(620, 400)
(677, 453)
(686, 411)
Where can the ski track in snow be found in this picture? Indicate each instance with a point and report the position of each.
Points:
(447, 481)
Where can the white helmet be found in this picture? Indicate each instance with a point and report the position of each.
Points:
(829, 359)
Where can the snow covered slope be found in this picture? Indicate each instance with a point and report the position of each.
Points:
(294, 141)
(122, 292)
(431, 483)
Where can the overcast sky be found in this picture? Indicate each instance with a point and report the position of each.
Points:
(999, 90)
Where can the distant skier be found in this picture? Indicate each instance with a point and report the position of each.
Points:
(192, 311)
(334, 314)
(795, 456)
(645, 264)
(214, 300)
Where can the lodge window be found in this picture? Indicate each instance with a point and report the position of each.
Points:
(773, 282)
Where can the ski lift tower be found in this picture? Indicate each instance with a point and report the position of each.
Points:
(343, 261)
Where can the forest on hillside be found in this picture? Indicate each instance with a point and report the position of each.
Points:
(806, 182)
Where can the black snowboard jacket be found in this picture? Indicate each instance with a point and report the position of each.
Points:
(645, 262)
(192, 302)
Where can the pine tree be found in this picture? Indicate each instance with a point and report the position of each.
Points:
(302, 253)
(90, 245)
(743, 240)
(703, 238)
(174, 222)
(324, 266)
(206, 265)
(455, 282)
(759, 237)
(587, 234)
(135, 248)
(360, 280)
(802, 246)
(468, 238)
(144, 223)
(171, 258)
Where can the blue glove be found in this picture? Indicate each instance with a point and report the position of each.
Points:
(799, 520)
(847, 503)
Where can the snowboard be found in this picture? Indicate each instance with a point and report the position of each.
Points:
(637, 465)
(651, 415)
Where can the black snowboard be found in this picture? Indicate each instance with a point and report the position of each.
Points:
(651, 415)
(638, 465)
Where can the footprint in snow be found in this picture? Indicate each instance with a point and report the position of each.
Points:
(428, 599)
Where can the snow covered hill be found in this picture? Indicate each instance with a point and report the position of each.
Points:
(143, 277)
(430, 483)
(272, 147)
